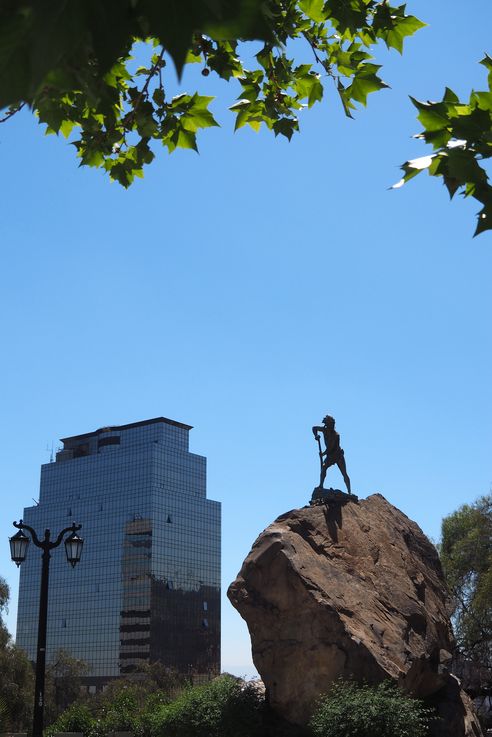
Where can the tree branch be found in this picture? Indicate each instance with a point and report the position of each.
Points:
(12, 111)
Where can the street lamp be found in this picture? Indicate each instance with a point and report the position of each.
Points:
(18, 551)
(73, 547)
(18, 547)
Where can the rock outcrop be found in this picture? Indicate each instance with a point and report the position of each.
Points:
(354, 591)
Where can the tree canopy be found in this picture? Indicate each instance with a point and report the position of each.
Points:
(16, 676)
(466, 554)
(4, 600)
(73, 64)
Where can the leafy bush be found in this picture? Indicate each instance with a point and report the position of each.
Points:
(120, 715)
(124, 705)
(222, 708)
(352, 710)
(77, 718)
(154, 701)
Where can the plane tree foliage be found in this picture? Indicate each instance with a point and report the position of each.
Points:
(71, 62)
(466, 555)
(74, 64)
(460, 134)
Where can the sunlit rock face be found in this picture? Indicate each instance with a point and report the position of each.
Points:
(348, 590)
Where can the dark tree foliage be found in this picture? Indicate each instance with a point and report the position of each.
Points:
(466, 555)
(63, 683)
(4, 595)
(16, 677)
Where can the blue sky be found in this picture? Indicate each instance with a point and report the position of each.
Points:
(250, 290)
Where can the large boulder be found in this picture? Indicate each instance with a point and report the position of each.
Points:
(353, 590)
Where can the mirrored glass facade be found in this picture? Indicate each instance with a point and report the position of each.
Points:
(148, 585)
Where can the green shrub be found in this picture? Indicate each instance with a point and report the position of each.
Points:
(352, 710)
(77, 718)
(119, 715)
(145, 721)
(222, 708)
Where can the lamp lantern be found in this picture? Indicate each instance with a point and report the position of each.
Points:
(73, 548)
(18, 547)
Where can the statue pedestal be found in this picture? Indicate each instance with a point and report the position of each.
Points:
(331, 496)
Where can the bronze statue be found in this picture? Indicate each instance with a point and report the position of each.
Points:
(333, 454)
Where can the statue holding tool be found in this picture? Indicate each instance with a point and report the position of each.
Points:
(333, 453)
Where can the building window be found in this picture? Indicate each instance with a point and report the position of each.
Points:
(205, 606)
(169, 518)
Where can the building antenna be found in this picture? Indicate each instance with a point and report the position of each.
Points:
(50, 451)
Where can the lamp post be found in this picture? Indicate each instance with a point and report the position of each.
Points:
(18, 551)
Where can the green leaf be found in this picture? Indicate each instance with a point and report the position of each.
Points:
(432, 115)
(347, 16)
(254, 124)
(463, 167)
(201, 102)
(484, 220)
(365, 81)
(250, 113)
(307, 85)
(450, 96)
(407, 26)
(439, 139)
(313, 9)
(487, 63)
(483, 100)
(66, 127)
(285, 127)
(180, 103)
(192, 58)
(186, 139)
(224, 61)
(196, 118)
(158, 96)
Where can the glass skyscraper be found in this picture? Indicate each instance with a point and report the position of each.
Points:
(148, 585)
